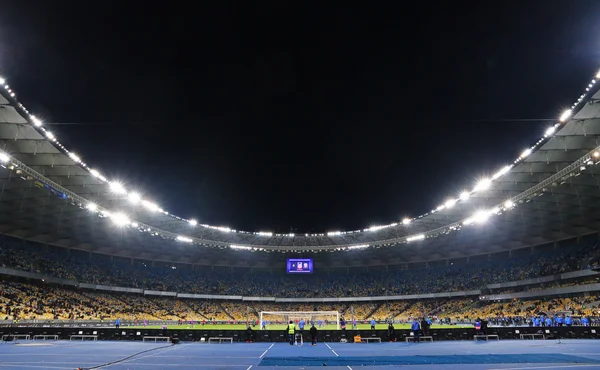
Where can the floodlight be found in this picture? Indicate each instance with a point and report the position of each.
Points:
(117, 187)
(483, 184)
(120, 219)
(450, 203)
(134, 197)
(565, 115)
(525, 153)
(4, 157)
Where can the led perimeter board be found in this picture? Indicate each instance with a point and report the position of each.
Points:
(299, 265)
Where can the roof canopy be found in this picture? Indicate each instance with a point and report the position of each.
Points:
(50, 195)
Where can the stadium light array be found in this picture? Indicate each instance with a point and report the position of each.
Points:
(92, 206)
(359, 246)
(117, 188)
(184, 239)
(74, 157)
(550, 131)
(482, 185)
(565, 115)
(526, 153)
(415, 238)
(120, 219)
(193, 222)
(4, 158)
(152, 207)
(134, 197)
(246, 248)
(450, 203)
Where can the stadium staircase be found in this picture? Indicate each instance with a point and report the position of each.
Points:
(195, 310)
(400, 312)
(254, 311)
(436, 310)
(226, 313)
(373, 311)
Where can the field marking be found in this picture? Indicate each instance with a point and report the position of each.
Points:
(169, 365)
(332, 350)
(267, 350)
(135, 356)
(204, 355)
(33, 366)
(545, 367)
(47, 362)
(249, 367)
(349, 367)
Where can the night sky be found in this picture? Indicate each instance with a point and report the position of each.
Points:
(295, 118)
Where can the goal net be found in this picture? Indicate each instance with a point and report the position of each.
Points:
(278, 320)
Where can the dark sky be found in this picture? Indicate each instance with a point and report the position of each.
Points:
(306, 117)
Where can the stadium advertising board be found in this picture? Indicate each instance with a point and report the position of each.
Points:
(299, 265)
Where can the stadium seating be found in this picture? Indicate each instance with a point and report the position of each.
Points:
(206, 281)
(21, 300)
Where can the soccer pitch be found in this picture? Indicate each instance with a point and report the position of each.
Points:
(283, 327)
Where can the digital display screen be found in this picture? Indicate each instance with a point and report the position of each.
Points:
(299, 266)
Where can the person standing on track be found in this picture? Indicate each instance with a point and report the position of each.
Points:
(291, 329)
(118, 323)
(416, 329)
(424, 327)
(313, 335)
(391, 332)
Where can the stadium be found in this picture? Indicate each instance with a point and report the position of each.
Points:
(81, 254)
(97, 275)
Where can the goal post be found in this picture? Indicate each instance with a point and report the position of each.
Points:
(274, 320)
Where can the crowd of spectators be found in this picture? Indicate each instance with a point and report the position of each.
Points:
(230, 282)
(39, 301)
(20, 299)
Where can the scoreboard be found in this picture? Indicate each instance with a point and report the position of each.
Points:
(300, 266)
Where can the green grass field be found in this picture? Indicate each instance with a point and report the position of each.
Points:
(281, 327)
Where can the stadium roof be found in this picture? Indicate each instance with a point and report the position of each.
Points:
(551, 192)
